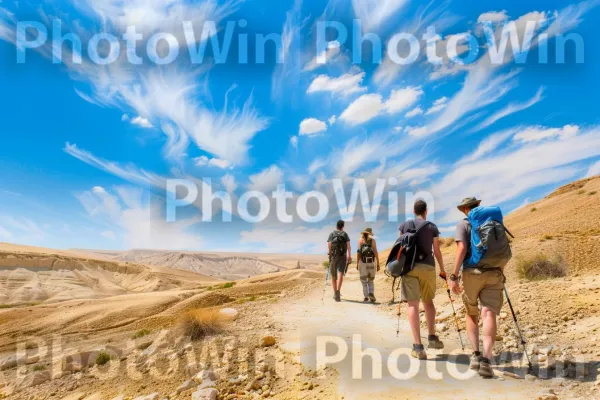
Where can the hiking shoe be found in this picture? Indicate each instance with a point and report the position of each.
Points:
(418, 352)
(372, 298)
(338, 296)
(366, 300)
(485, 369)
(435, 342)
(475, 361)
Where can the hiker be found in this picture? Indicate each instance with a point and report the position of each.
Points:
(340, 256)
(481, 284)
(419, 284)
(366, 258)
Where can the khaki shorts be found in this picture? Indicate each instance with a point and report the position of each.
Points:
(419, 284)
(367, 271)
(485, 287)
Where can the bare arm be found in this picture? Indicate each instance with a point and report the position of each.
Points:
(329, 248)
(376, 253)
(438, 255)
(349, 251)
(460, 256)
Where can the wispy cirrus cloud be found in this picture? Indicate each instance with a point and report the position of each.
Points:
(129, 173)
(510, 109)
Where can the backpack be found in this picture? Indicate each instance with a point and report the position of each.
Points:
(339, 245)
(366, 251)
(406, 252)
(490, 246)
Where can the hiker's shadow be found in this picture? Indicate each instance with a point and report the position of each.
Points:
(366, 303)
(549, 367)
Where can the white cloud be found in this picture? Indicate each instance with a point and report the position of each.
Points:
(401, 99)
(488, 145)
(363, 109)
(346, 84)
(22, 228)
(510, 109)
(129, 173)
(142, 122)
(267, 180)
(294, 142)
(138, 221)
(414, 113)
(204, 161)
(369, 106)
(316, 165)
(229, 183)
(374, 13)
(326, 57)
(332, 120)
(538, 133)
(277, 240)
(594, 170)
(493, 16)
(438, 106)
(312, 126)
(5, 235)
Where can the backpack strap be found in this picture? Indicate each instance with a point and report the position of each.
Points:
(422, 226)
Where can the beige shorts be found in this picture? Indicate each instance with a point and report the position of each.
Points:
(419, 284)
(485, 287)
(367, 271)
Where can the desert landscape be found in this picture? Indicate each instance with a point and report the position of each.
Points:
(152, 325)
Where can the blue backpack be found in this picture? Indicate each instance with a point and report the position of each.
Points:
(490, 246)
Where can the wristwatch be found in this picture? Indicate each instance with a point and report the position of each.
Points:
(453, 278)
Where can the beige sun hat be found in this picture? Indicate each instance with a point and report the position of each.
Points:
(368, 231)
(468, 202)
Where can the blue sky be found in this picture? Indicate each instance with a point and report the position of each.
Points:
(86, 150)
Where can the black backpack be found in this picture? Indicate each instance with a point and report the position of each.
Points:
(339, 246)
(405, 253)
(366, 251)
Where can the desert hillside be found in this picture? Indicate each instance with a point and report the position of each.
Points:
(34, 275)
(228, 266)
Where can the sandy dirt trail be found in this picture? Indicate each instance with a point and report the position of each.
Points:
(441, 376)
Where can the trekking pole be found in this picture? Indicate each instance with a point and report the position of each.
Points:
(326, 279)
(462, 344)
(523, 342)
(398, 329)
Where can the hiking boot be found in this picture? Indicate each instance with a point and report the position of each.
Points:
(418, 352)
(475, 361)
(485, 369)
(372, 298)
(435, 342)
(366, 300)
(338, 296)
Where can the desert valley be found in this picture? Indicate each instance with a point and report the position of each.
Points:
(145, 325)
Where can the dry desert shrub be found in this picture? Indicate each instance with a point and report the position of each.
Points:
(541, 266)
(449, 241)
(198, 324)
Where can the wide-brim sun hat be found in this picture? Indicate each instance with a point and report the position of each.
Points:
(368, 231)
(468, 202)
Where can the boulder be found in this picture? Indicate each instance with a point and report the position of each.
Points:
(31, 380)
(153, 396)
(229, 314)
(78, 361)
(185, 386)
(205, 394)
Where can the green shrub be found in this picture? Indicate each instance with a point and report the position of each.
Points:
(592, 193)
(533, 209)
(541, 266)
(141, 333)
(581, 191)
(39, 367)
(325, 264)
(103, 358)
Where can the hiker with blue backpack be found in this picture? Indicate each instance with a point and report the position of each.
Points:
(419, 241)
(483, 252)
